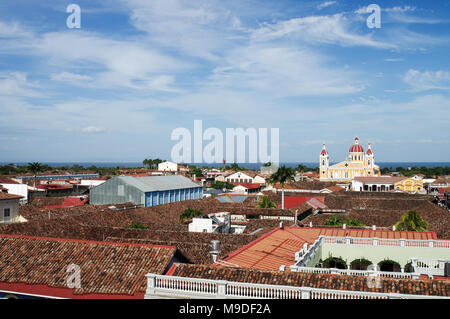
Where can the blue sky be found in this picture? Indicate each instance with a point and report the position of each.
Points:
(116, 88)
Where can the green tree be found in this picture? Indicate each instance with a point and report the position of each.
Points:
(222, 185)
(197, 172)
(265, 202)
(137, 226)
(282, 175)
(333, 221)
(301, 169)
(190, 213)
(412, 221)
(35, 168)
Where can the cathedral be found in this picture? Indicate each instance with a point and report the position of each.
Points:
(359, 163)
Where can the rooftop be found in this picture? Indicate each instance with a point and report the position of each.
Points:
(279, 246)
(106, 268)
(9, 196)
(158, 183)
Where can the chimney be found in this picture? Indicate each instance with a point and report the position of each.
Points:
(374, 227)
(281, 225)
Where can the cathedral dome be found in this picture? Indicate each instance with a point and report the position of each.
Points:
(356, 148)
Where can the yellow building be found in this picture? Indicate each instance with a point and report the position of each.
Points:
(409, 185)
(359, 163)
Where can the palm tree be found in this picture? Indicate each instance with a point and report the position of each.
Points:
(301, 168)
(282, 175)
(412, 221)
(35, 168)
(265, 202)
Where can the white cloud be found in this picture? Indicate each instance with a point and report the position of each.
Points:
(69, 77)
(17, 84)
(400, 9)
(283, 71)
(197, 28)
(394, 60)
(427, 80)
(93, 129)
(325, 4)
(333, 29)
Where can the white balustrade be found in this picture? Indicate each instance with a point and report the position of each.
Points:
(160, 286)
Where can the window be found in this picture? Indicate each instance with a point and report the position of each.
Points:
(6, 212)
(369, 162)
(323, 163)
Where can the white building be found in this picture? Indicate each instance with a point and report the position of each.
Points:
(167, 167)
(245, 177)
(15, 188)
(214, 223)
(92, 182)
(9, 208)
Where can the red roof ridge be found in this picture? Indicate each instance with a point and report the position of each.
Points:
(433, 233)
(82, 241)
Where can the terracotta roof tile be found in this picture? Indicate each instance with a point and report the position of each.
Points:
(9, 196)
(110, 268)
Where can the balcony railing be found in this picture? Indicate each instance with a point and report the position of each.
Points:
(352, 272)
(387, 242)
(161, 286)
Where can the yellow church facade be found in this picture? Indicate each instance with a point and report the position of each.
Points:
(359, 163)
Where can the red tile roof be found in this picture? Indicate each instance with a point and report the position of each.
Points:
(69, 202)
(279, 246)
(7, 180)
(106, 268)
(380, 179)
(53, 186)
(9, 196)
(248, 185)
(292, 201)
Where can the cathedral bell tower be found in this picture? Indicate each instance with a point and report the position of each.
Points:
(369, 158)
(324, 163)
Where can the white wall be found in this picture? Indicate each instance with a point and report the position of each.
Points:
(13, 205)
(201, 225)
(168, 166)
(17, 189)
(91, 182)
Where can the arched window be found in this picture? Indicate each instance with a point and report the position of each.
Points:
(368, 162)
(323, 162)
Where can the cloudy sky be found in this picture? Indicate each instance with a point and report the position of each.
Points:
(116, 88)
